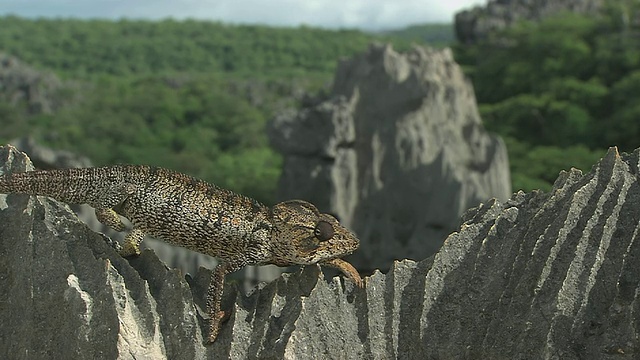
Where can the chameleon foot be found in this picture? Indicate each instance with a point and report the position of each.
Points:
(215, 324)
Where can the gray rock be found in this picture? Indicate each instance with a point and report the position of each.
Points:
(397, 153)
(479, 22)
(39, 91)
(47, 158)
(539, 276)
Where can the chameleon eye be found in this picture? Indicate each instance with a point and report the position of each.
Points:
(323, 231)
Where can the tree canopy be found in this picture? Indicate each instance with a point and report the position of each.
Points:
(561, 90)
(195, 95)
(76, 47)
(190, 95)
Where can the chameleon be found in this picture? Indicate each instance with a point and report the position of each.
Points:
(191, 213)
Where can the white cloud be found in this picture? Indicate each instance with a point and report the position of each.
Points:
(367, 14)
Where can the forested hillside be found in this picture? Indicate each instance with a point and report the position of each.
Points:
(126, 47)
(190, 95)
(436, 35)
(195, 95)
(560, 91)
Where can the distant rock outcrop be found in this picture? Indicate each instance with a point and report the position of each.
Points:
(476, 24)
(46, 158)
(539, 276)
(398, 152)
(38, 91)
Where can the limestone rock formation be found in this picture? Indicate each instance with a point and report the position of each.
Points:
(40, 92)
(478, 23)
(542, 275)
(398, 152)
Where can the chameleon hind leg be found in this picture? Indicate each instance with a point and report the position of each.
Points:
(110, 218)
(132, 243)
(109, 198)
(104, 202)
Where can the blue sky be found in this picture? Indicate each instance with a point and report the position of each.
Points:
(363, 14)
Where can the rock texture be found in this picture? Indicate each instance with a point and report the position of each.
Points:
(552, 276)
(40, 92)
(478, 23)
(398, 152)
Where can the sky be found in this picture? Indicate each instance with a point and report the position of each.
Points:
(361, 14)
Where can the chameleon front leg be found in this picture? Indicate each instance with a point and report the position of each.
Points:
(214, 296)
(347, 269)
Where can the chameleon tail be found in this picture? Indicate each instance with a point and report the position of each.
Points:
(53, 183)
(75, 186)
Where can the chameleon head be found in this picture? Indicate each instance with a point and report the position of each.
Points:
(305, 236)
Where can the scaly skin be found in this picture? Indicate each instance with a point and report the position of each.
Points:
(193, 214)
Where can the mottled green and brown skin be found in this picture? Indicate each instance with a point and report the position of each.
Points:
(193, 214)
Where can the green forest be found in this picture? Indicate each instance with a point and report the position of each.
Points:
(195, 96)
(560, 91)
(86, 48)
(190, 95)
